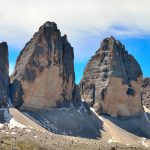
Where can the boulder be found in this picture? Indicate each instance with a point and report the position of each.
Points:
(112, 80)
(4, 74)
(146, 92)
(44, 75)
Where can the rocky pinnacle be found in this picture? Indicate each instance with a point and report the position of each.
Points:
(44, 74)
(112, 80)
(4, 74)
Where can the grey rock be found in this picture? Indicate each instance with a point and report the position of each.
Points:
(69, 122)
(146, 92)
(2, 116)
(112, 80)
(76, 97)
(4, 74)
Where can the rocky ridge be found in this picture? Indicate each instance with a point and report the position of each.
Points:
(112, 81)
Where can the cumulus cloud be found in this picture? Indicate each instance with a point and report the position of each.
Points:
(19, 19)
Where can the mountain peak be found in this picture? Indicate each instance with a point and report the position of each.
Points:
(45, 67)
(112, 80)
(49, 24)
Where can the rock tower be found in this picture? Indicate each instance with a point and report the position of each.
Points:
(112, 81)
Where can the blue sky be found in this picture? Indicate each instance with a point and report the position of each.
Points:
(85, 22)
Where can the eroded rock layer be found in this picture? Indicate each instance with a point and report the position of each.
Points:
(4, 74)
(112, 81)
(146, 92)
(44, 74)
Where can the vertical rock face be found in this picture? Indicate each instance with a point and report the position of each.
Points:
(146, 92)
(76, 97)
(2, 116)
(44, 74)
(112, 81)
(4, 74)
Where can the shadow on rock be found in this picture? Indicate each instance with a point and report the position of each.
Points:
(70, 121)
(5, 116)
(138, 125)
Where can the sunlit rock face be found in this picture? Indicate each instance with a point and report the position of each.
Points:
(146, 92)
(4, 74)
(44, 74)
(112, 81)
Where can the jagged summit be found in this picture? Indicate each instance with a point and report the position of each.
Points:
(3, 44)
(117, 52)
(50, 24)
(47, 28)
(105, 42)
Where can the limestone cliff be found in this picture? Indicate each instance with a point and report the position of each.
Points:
(4, 74)
(112, 81)
(44, 74)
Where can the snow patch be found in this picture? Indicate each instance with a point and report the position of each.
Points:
(144, 144)
(92, 109)
(146, 109)
(83, 100)
(10, 121)
(1, 126)
(12, 124)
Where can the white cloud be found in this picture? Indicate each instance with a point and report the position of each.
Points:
(19, 19)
